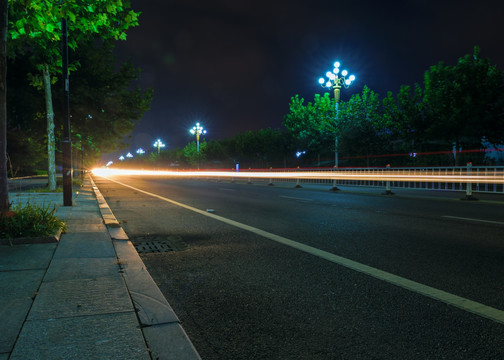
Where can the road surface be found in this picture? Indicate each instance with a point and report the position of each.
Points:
(280, 273)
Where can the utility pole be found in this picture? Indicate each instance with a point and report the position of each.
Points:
(66, 143)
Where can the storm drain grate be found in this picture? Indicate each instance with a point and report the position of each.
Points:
(152, 247)
(147, 244)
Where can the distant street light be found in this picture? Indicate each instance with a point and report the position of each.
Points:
(198, 130)
(121, 158)
(129, 155)
(335, 82)
(140, 151)
(159, 144)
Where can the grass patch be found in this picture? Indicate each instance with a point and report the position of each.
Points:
(29, 220)
(76, 183)
(44, 189)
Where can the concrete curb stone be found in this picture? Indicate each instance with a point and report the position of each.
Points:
(160, 325)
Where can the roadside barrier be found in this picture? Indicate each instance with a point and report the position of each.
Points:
(484, 179)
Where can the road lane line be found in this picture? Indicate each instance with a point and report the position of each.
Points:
(425, 290)
(295, 198)
(470, 219)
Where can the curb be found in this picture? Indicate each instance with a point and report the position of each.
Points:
(33, 240)
(160, 325)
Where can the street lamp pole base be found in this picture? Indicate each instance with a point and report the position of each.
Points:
(388, 192)
(469, 198)
(335, 188)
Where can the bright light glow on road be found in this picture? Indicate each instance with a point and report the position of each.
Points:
(338, 175)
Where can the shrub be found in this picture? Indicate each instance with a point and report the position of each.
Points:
(30, 220)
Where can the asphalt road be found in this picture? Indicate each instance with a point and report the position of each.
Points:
(243, 294)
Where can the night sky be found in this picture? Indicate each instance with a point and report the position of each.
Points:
(233, 65)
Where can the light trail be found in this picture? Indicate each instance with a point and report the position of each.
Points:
(378, 175)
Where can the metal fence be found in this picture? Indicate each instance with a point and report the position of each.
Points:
(447, 183)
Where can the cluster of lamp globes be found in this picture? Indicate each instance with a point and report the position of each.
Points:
(196, 130)
(334, 79)
(129, 155)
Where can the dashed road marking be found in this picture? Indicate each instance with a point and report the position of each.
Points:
(425, 290)
(476, 220)
(295, 198)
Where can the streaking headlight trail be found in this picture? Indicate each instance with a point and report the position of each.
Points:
(380, 175)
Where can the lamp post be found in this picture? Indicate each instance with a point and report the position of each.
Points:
(335, 81)
(159, 144)
(140, 151)
(198, 130)
(66, 142)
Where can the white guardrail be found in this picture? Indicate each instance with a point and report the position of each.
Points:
(487, 179)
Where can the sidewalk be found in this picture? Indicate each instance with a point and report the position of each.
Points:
(87, 296)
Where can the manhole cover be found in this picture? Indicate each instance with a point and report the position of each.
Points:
(157, 243)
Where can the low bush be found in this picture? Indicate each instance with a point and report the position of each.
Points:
(30, 220)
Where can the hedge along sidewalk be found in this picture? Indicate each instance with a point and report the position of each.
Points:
(34, 219)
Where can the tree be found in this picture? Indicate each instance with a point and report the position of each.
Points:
(313, 124)
(35, 31)
(105, 105)
(191, 154)
(259, 148)
(404, 113)
(366, 130)
(464, 103)
(4, 186)
(217, 151)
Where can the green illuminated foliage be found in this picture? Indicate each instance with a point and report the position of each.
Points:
(313, 123)
(366, 130)
(35, 31)
(464, 103)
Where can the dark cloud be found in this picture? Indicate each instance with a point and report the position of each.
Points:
(233, 65)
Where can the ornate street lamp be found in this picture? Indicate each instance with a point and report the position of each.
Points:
(335, 80)
(198, 130)
(129, 155)
(159, 144)
(140, 151)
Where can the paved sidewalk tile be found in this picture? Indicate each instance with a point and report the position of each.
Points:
(80, 226)
(85, 245)
(81, 268)
(80, 297)
(17, 290)
(25, 257)
(110, 336)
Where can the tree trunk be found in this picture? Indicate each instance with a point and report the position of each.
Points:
(4, 186)
(51, 143)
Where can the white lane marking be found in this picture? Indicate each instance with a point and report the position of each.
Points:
(436, 294)
(477, 220)
(295, 198)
